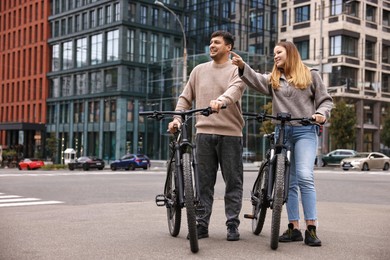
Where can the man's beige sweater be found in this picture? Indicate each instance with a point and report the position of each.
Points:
(211, 81)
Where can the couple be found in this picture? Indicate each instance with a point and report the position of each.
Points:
(221, 82)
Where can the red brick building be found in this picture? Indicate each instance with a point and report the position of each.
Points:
(24, 62)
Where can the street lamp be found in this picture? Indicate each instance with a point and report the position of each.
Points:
(184, 40)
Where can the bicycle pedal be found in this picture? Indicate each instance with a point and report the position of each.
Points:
(250, 216)
(161, 200)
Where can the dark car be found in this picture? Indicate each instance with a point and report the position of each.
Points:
(335, 157)
(131, 161)
(86, 163)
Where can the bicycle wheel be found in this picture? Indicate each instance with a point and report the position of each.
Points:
(259, 199)
(172, 204)
(189, 201)
(277, 202)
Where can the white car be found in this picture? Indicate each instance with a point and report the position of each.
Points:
(366, 162)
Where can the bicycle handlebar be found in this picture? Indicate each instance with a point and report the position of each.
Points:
(282, 117)
(158, 115)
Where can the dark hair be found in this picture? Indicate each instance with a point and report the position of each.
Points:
(227, 37)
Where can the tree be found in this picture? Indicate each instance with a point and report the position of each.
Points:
(51, 146)
(385, 132)
(267, 127)
(342, 126)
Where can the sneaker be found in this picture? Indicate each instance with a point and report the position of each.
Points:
(291, 235)
(202, 231)
(232, 233)
(311, 238)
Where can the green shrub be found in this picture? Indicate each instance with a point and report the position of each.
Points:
(50, 167)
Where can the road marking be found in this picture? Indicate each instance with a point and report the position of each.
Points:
(16, 201)
(30, 203)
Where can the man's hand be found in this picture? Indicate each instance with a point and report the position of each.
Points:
(216, 105)
(174, 125)
(237, 60)
(319, 118)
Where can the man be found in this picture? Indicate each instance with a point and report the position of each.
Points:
(218, 137)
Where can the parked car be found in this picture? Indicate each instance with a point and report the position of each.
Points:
(366, 161)
(335, 157)
(86, 163)
(131, 162)
(30, 164)
(248, 155)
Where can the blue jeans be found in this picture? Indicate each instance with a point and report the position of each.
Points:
(214, 151)
(303, 141)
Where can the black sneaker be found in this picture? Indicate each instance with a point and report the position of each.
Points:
(202, 231)
(311, 238)
(291, 235)
(232, 233)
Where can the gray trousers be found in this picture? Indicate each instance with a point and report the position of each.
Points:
(224, 151)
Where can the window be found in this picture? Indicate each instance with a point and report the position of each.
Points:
(70, 25)
(81, 52)
(284, 17)
(100, 17)
(84, 21)
(67, 55)
(108, 14)
(96, 49)
(303, 48)
(132, 12)
(92, 18)
(130, 45)
(110, 110)
(144, 17)
(370, 13)
(343, 45)
(153, 48)
(113, 45)
(385, 53)
(155, 17)
(96, 82)
(93, 111)
(117, 10)
(81, 84)
(386, 18)
(78, 112)
(111, 79)
(56, 58)
(67, 86)
(343, 76)
(369, 78)
(165, 47)
(165, 20)
(130, 108)
(78, 23)
(302, 14)
(370, 50)
(142, 47)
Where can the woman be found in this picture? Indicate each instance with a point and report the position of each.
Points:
(295, 89)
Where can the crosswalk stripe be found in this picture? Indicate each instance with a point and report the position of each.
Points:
(30, 203)
(9, 196)
(18, 200)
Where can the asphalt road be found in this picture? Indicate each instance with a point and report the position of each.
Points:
(112, 215)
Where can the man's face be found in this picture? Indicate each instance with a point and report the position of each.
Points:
(218, 48)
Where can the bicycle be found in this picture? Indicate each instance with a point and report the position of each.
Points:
(270, 189)
(181, 185)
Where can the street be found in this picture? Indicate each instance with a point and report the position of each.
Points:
(112, 215)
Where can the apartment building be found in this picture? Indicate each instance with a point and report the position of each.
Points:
(349, 42)
(25, 60)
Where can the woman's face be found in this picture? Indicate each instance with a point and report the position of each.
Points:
(280, 56)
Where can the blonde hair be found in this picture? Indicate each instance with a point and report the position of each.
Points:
(297, 73)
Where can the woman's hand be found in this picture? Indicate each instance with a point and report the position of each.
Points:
(319, 118)
(237, 60)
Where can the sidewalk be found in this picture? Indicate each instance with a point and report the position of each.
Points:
(159, 165)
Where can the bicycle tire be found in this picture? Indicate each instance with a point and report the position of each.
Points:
(259, 202)
(172, 204)
(278, 197)
(189, 200)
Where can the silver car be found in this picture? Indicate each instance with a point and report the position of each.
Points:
(366, 161)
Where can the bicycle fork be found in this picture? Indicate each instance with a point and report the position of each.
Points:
(283, 149)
